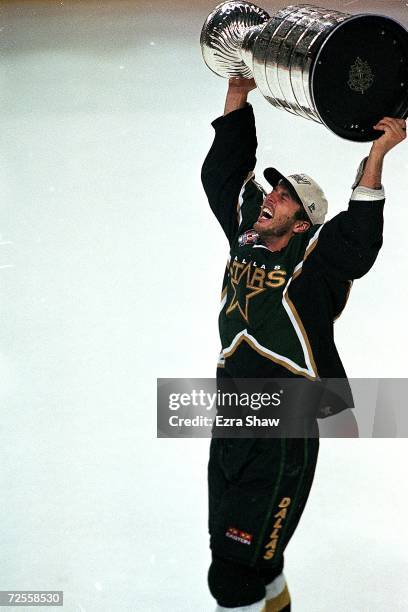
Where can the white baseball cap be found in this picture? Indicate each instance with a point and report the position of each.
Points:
(306, 190)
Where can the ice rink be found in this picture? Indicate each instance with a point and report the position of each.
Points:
(110, 271)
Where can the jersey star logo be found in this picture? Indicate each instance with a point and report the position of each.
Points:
(243, 292)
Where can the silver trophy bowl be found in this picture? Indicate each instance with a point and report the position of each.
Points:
(344, 71)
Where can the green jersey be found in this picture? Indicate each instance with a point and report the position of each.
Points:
(278, 308)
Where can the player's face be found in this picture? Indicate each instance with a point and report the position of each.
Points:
(277, 216)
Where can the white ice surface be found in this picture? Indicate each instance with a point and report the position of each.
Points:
(110, 270)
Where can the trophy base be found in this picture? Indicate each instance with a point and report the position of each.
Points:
(360, 75)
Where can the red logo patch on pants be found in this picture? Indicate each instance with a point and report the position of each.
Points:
(238, 535)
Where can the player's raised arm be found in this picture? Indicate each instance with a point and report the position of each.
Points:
(237, 94)
(349, 243)
(395, 131)
(232, 155)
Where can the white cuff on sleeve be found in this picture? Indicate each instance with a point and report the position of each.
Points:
(368, 195)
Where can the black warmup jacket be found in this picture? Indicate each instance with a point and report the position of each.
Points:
(278, 308)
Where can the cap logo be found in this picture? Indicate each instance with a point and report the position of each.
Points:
(312, 207)
(301, 179)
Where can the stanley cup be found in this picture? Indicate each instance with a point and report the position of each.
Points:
(345, 71)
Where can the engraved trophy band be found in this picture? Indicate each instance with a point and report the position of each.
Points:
(344, 71)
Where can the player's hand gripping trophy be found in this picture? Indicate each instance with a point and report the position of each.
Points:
(345, 71)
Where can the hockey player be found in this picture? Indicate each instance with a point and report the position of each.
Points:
(288, 278)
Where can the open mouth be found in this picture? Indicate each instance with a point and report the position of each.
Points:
(266, 214)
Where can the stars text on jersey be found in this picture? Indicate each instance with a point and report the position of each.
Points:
(248, 280)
